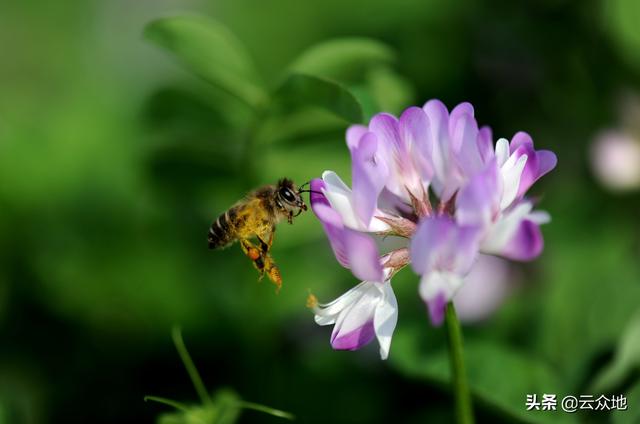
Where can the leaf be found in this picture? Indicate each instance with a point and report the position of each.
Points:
(343, 59)
(391, 92)
(211, 51)
(499, 377)
(627, 358)
(304, 125)
(226, 402)
(300, 90)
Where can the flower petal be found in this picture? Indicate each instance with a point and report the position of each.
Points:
(503, 230)
(341, 199)
(326, 314)
(354, 326)
(436, 289)
(438, 116)
(538, 162)
(354, 134)
(464, 140)
(441, 245)
(385, 319)
(511, 172)
(363, 255)
(369, 177)
(502, 151)
(414, 131)
(526, 244)
(385, 126)
(484, 289)
(479, 200)
(331, 221)
(485, 144)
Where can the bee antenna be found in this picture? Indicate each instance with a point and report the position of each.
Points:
(310, 191)
(302, 186)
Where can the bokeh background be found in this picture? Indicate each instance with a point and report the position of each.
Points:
(115, 157)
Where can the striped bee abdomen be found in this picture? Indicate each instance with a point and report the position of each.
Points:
(221, 231)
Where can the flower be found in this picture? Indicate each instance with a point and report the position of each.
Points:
(615, 158)
(484, 289)
(367, 311)
(399, 166)
(615, 151)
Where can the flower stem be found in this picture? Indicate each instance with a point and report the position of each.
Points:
(464, 410)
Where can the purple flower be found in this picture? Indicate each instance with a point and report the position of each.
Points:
(396, 163)
(367, 311)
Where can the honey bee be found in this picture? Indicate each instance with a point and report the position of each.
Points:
(257, 216)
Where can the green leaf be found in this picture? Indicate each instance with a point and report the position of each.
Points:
(227, 404)
(391, 92)
(344, 59)
(499, 377)
(211, 51)
(306, 125)
(301, 90)
(626, 359)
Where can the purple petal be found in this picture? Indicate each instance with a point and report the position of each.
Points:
(526, 244)
(333, 228)
(330, 220)
(520, 139)
(464, 140)
(354, 134)
(438, 116)
(430, 236)
(385, 126)
(437, 308)
(316, 195)
(530, 171)
(369, 176)
(479, 200)
(440, 244)
(414, 131)
(354, 339)
(485, 144)
(547, 160)
(354, 250)
(438, 122)
(538, 162)
(363, 255)
(461, 110)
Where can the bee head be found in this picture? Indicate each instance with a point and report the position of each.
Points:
(289, 197)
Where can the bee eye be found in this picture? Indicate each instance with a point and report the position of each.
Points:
(287, 195)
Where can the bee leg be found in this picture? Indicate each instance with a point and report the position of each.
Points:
(249, 249)
(290, 218)
(264, 246)
(254, 254)
(273, 272)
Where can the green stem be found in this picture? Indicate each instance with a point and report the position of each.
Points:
(266, 409)
(176, 333)
(169, 402)
(464, 410)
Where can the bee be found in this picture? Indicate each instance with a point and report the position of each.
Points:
(256, 216)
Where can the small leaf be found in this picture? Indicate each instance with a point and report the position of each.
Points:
(344, 59)
(227, 402)
(210, 50)
(627, 357)
(301, 90)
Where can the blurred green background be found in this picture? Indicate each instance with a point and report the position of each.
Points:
(115, 158)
